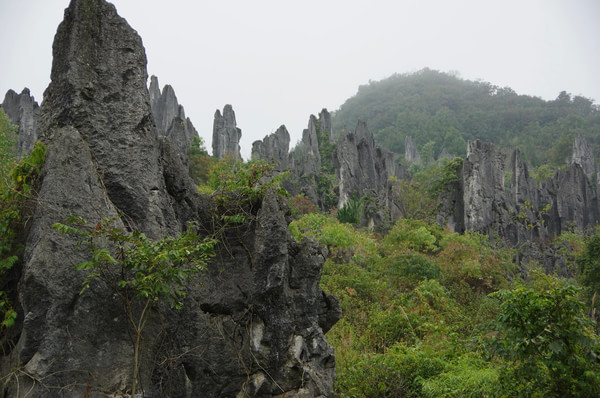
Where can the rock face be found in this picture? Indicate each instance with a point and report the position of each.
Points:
(170, 117)
(499, 198)
(411, 154)
(583, 156)
(363, 169)
(309, 160)
(274, 148)
(23, 110)
(226, 134)
(252, 324)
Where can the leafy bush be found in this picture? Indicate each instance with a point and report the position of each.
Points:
(469, 377)
(301, 205)
(397, 373)
(412, 235)
(547, 340)
(200, 162)
(16, 189)
(352, 211)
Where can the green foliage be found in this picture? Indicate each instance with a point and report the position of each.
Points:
(419, 198)
(411, 310)
(543, 173)
(250, 180)
(547, 341)
(301, 205)
(137, 268)
(440, 110)
(8, 140)
(325, 189)
(15, 190)
(150, 269)
(418, 321)
(352, 211)
(414, 235)
(200, 162)
(397, 373)
(589, 264)
(469, 377)
(326, 150)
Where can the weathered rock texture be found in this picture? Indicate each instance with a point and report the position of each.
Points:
(274, 148)
(363, 169)
(22, 110)
(583, 155)
(411, 154)
(309, 159)
(170, 118)
(252, 324)
(226, 135)
(497, 196)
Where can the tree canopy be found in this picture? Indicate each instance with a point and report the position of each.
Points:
(444, 111)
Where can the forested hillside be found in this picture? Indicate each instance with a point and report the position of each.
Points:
(441, 110)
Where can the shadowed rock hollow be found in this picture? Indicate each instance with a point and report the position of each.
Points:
(252, 324)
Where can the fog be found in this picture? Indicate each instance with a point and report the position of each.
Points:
(277, 62)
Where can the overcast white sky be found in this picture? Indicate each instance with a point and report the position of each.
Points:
(278, 61)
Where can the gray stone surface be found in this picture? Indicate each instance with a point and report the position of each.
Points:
(364, 169)
(274, 148)
(252, 324)
(517, 210)
(170, 118)
(309, 162)
(226, 135)
(583, 155)
(23, 111)
(411, 154)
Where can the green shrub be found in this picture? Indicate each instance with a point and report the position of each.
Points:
(413, 235)
(352, 211)
(469, 377)
(397, 373)
(547, 341)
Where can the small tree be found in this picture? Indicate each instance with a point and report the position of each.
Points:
(138, 269)
(547, 341)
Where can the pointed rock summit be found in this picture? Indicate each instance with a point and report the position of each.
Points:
(226, 135)
(252, 323)
(274, 148)
(23, 111)
(170, 118)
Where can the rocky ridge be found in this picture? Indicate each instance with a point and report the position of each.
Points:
(251, 325)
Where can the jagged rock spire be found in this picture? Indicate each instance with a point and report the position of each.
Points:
(170, 118)
(274, 148)
(23, 111)
(226, 134)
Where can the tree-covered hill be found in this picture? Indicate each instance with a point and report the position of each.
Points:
(441, 110)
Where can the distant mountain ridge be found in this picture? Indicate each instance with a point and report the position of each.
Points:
(443, 111)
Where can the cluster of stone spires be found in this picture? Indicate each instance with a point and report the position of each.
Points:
(485, 202)
(252, 324)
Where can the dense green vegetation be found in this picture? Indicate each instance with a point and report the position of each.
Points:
(440, 110)
(430, 313)
(17, 180)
